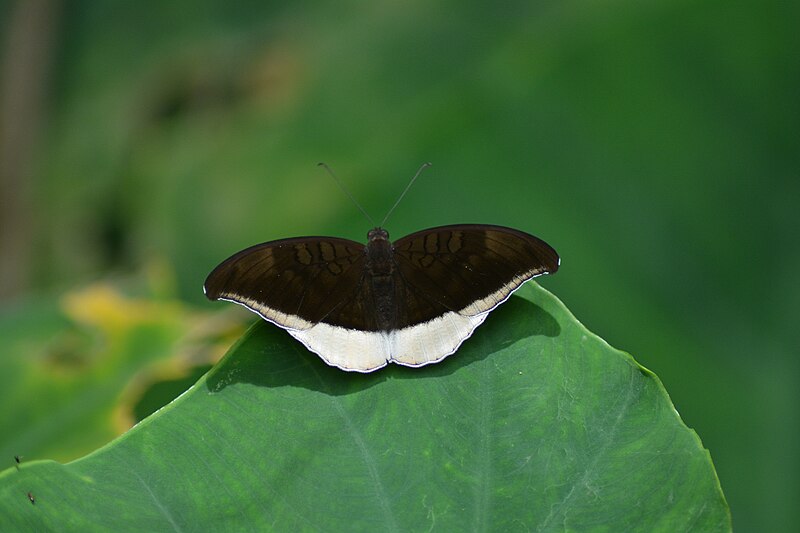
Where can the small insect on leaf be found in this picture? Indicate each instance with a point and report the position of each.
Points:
(32, 498)
(18, 458)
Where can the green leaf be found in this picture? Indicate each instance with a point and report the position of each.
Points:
(535, 424)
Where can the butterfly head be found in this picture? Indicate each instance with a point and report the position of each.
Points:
(376, 235)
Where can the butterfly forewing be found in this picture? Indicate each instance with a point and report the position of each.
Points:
(293, 282)
(469, 269)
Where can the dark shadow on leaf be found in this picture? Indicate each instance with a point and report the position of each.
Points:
(268, 357)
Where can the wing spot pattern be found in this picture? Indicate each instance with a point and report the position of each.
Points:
(328, 252)
(454, 242)
(431, 244)
(302, 254)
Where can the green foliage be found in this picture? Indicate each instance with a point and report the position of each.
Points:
(77, 372)
(535, 424)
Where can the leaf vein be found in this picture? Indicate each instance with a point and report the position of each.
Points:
(563, 506)
(160, 507)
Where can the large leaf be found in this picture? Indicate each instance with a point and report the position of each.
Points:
(535, 424)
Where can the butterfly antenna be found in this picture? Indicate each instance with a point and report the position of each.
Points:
(410, 183)
(341, 186)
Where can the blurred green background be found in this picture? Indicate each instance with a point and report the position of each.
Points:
(653, 144)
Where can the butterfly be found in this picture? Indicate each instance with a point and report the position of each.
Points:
(359, 307)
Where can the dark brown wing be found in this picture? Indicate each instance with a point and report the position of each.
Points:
(293, 282)
(468, 269)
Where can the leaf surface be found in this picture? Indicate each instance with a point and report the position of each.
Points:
(535, 424)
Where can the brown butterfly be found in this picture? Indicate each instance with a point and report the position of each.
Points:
(411, 302)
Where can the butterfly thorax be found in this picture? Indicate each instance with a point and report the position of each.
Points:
(379, 253)
(380, 265)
